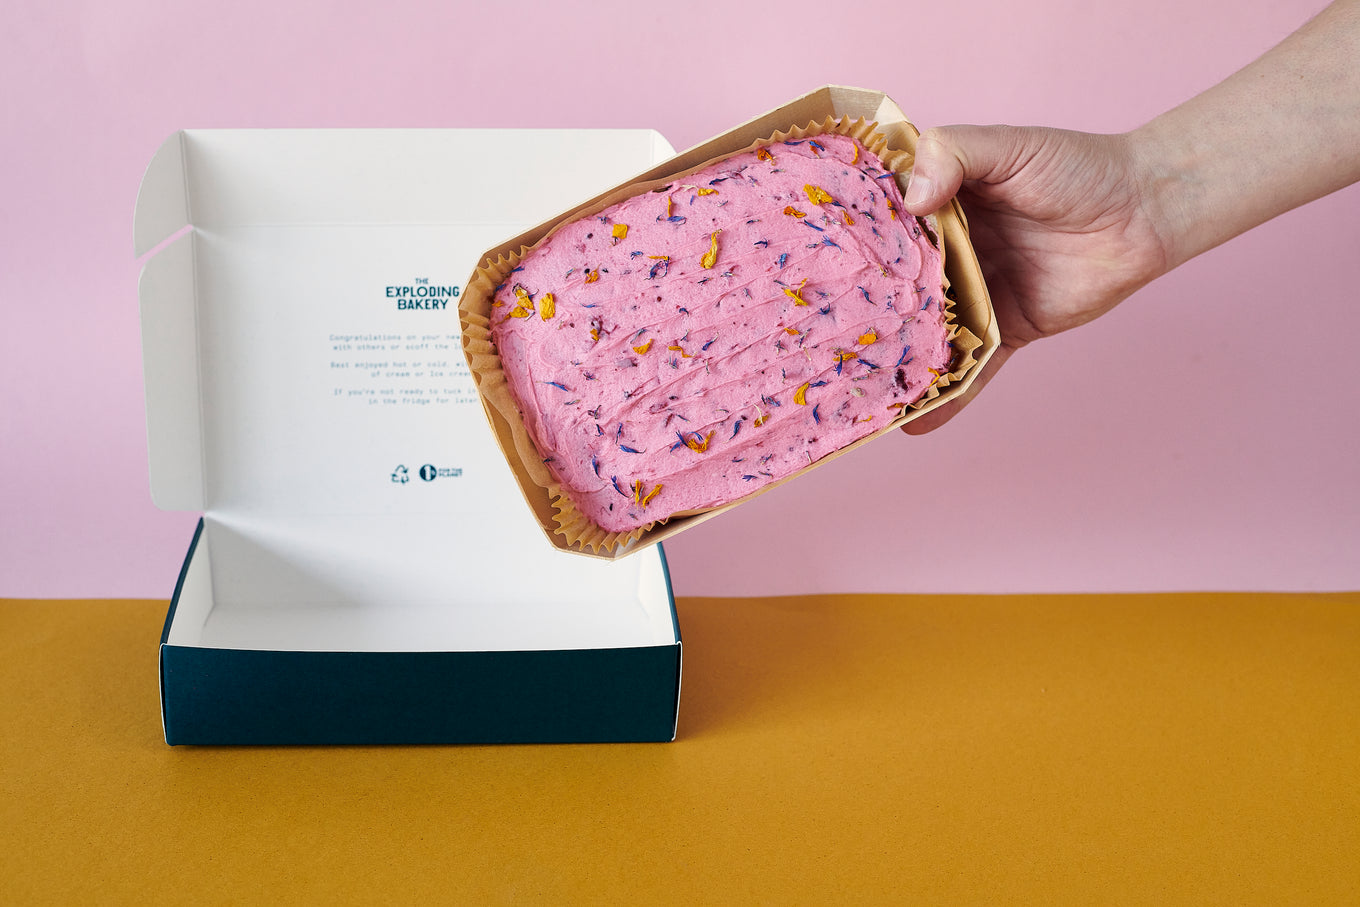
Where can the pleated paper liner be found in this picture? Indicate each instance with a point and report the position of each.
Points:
(968, 315)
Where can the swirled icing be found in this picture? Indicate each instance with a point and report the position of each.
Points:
(690, 345)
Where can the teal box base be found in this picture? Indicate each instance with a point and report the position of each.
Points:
(215, 696)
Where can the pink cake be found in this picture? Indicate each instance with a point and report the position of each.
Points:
(690, 345)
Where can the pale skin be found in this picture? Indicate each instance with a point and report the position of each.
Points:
(1069, 224)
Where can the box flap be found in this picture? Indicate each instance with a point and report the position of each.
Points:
(162, 198)
(230, 177)
(170, 372)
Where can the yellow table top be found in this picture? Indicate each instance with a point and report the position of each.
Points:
(832, 749)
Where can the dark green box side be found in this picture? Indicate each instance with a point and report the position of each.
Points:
(237, 696)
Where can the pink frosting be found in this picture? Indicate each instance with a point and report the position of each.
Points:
(688, 346)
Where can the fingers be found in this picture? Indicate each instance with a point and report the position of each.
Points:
(936, 174)
(937, 417)
(948, 155)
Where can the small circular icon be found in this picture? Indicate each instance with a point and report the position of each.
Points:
(428, 472)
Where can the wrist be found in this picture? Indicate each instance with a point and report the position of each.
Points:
(1160, 169)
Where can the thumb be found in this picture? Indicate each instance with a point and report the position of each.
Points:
(948, 155)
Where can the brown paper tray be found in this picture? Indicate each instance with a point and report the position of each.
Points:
(972, 308)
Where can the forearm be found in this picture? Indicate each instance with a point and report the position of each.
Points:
(1281, 132)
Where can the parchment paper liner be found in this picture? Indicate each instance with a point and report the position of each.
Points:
(574, 531)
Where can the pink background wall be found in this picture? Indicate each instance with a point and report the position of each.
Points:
(1208, 440)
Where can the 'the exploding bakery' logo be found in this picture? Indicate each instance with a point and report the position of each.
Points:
(420, 295)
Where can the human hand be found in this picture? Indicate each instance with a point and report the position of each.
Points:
(1061, 222)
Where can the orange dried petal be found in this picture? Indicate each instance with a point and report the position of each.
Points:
(791, 291)
(711, 256)
(792, 331)
(708, 191)
(620, 231)
(817, 195)
(800, 395)
(697, 445)
(868, 337)
(549, 307)
(647, 498)
(592, 276)
(791, 211)
(525, 306)
(763, 154)
(642, 350)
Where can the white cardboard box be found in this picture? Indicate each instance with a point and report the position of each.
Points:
(366, 570)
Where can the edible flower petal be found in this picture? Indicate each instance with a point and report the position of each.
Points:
(525, 303)
(794, 291)
(817, 195)
(661, 268)
(697, 442)
(711, 256)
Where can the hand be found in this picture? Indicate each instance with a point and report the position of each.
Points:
(1060, 220)
(1066, 224)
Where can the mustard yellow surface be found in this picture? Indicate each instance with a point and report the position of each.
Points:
(1200, 749)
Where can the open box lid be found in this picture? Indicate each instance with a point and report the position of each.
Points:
(278, 217)
(305, 384)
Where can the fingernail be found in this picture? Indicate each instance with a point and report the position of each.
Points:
(919, 190)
